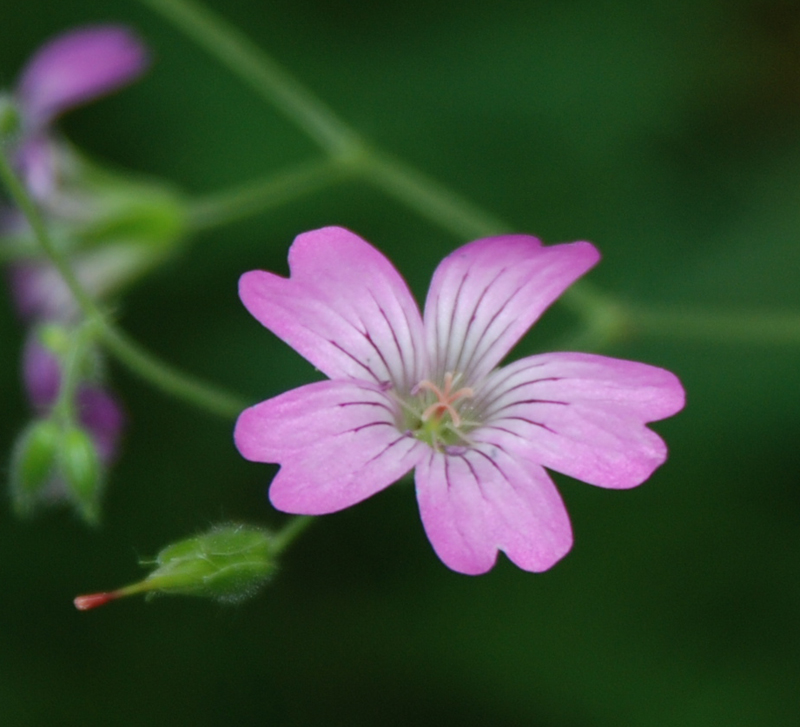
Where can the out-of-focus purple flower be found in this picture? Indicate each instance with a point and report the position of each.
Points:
(76, 67)
(40, 293)
(98, 411)
(41, 374)
(68, 71)
(407, 392)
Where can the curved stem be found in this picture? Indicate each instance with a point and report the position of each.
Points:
(605, 318)
(28, 208)
(137, 359)
(429, 198)
(251, 198)
(681, 322)
(283, 538)
(169, 379)
(267, 78)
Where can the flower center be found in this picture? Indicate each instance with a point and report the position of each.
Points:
(435, 414)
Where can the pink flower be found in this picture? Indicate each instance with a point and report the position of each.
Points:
(68, 71)
(78, 66)
(408, 391)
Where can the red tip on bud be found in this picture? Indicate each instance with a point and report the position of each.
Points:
(93, 600)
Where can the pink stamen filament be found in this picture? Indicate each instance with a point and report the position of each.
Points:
(445, 399)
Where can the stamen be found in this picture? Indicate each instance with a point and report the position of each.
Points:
(444, 399)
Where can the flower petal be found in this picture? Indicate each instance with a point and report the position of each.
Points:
(37, 160)
(345, 308)
(581, 414)
(102, 414)
(337, 443)
(77, 67)
(484, 499)
(40, 373)
(485, 295)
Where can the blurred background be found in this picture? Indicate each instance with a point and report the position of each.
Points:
(665, 131)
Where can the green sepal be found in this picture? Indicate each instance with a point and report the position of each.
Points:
(33, 463)
(229, 563)
(82, 472)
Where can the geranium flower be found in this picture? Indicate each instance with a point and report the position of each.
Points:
(408, 391)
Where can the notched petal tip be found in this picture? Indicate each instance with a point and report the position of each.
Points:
(474, 505)
(344, 308)
(336, 441)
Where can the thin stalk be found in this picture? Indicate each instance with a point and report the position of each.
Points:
(236, 51)
(282, 539)
(685, 323)
(429, 198)
(221, 208)
(74, 360)
(137, 359)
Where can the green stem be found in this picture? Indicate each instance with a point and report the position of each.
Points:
(138, 360)
(685, 323)
(427, 197)
(254, 197)
(606, 319)
(454, 213)
(169, 379)
(282, 539)
(64, 408)
(28, 208)
(236, 51)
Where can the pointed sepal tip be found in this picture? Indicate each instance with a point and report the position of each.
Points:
(93, 600)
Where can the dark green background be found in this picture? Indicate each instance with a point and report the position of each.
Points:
(667, 132)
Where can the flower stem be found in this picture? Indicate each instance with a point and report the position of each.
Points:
(429, 198)
(236, 51)
(169, 379)
(768, 327)
(129, 353)
(251, 198)
(605, 318)
(74, 360)
(282, 539)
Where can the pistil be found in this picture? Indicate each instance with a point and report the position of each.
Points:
(445, 399)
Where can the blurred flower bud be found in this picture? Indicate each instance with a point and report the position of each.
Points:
(32, 464)
(82, 472)
(228, 563)
(84, 433)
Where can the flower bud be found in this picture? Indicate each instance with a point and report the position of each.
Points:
(228, 563)
(33, 463)
(82, 472)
